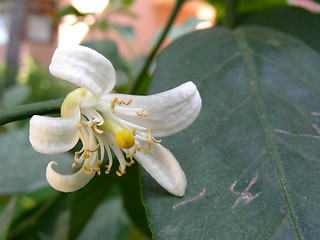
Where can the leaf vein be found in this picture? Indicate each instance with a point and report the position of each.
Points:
(246, 52)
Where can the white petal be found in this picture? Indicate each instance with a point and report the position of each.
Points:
(168, 112)
(67, 183)
(84, 67)
(53, 135)
(160, 163)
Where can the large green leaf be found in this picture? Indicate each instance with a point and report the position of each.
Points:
(260, 90)
(22, 169)
(295, 21)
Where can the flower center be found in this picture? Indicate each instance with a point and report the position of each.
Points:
(124, 137)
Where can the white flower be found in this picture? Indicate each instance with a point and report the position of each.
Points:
(104, 121)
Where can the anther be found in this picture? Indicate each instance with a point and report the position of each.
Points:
(88, 170)
(133, 152)
(116, 101)
(120, 172)
(129, 164)
(108, 169)
(144, 112)
(97, 130)
(149, 139)
(134, 131)
(93, 124)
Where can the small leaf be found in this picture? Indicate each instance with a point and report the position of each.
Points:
(6, 218)
(252, 157)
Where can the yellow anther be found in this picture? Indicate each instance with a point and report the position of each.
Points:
(93, 124)
(76, 157)
(120, 172)
(149, 139)
(125, 139)
(108, 169)
(133, 152)
(88, 170)
(134, 131)
(129, 164)
(144, 112)
(93, 150)
(112, 104)
(116, 101)
(85, 155)
(97, 130)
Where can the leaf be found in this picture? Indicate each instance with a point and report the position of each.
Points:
(295, 21)
(6, 218)
(131, 191)
(22, 169)
(260, 91)
(110, 221)
(86, 200)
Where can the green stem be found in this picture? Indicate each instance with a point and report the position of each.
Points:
(27, 110)
(154, 51)
(230, 13)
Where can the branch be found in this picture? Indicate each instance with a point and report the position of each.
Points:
(28, 110)
(154, 51)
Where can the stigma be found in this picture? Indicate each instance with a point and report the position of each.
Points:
(125, 139)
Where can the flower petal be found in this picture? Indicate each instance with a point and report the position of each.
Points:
(73, 182)
(67, 183)
(168, 112)
(53, 135)
(84, 67)
(160, 163)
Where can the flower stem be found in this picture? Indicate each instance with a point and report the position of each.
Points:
(230, 11)
(142, 75)
(27, 110)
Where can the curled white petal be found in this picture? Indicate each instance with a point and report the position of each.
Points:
(67, 183)
(168, 112)
(53, 135)
(84, 67)
(160, 163)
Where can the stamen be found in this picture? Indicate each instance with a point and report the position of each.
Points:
(133, 153)
(129, 164)
(93, 150)
(119, 172)
(97, 130)
(92, 124)
(144, 112)
(84, 156)
(116, 101)
(108, 169)
(134, 131)
(149, 139)
(88, 170)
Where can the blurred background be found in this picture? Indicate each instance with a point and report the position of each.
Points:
(123, 30)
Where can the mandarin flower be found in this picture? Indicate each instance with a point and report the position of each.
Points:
(106, 122)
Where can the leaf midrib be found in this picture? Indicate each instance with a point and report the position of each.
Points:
(249, 63)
